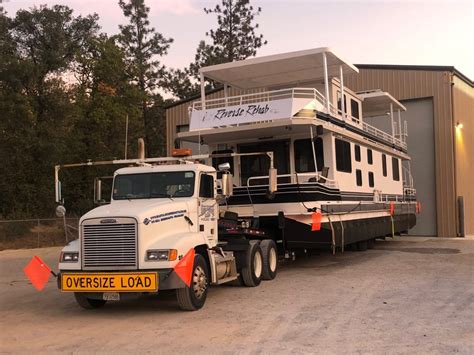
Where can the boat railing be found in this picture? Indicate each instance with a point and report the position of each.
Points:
(256, 180)
(260, 97)
(383, 135)
(299, 93)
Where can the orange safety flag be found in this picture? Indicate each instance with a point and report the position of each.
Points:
(316, 221)
(418, 207)
(184, 268)
(37, 272)
(392, 208)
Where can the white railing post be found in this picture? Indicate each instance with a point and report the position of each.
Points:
(399, 126)
(225, 94)
(326, 81)
(203, 92)
(343, 103)
(391, 120)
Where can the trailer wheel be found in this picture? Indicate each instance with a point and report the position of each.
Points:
(270, 259)
(252, 271)
(193, 298)
(88, 303)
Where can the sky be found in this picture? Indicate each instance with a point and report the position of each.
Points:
(421, 32)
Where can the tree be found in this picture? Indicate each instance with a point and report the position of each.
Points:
(235, 38)
(38, 47)
(142, 45)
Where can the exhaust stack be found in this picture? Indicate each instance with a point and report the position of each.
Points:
(141, 149)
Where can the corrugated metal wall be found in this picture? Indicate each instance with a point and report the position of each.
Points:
(179, 115)
(463, 105)
(402, 84)
(412, 84)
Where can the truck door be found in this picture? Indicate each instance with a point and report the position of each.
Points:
(208, 207)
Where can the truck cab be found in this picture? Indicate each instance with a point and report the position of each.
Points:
(160, 231)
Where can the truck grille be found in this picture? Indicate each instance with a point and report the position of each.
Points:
(109, 246)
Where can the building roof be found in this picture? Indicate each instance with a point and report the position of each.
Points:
(279, 69)
(359, 66)
(449, 68)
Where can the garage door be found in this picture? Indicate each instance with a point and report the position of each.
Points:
(419, 116)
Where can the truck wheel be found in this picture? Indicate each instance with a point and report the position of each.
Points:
(193, 298)
(270, 259)
(252, 271)
(88, 303)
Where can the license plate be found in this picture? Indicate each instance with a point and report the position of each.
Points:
(110, 282)
(111, 296)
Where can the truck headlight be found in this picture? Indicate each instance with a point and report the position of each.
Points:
(69, 257)
(161, 255)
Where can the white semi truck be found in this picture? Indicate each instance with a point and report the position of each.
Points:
(163, 230)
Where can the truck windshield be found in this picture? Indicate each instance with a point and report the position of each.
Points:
(154, 185)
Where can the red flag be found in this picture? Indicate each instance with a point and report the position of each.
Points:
(184, 268)
(37, 272)
(392, 208)
(316, 221)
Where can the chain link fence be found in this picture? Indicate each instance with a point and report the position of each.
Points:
(37, 233)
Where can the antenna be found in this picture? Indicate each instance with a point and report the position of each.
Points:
(126, 135)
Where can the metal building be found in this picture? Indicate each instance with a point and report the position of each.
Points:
(440, 118)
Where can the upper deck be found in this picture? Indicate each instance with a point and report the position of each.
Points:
(305, 84)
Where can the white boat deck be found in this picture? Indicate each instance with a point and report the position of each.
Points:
(301, 103)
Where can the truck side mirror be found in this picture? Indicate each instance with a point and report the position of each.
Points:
(97, 191)
(227, 184)
(272, 180)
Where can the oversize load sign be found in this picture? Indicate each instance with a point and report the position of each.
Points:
(231, 115)
(109, 282)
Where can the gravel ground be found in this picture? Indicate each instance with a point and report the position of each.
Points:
(408, 295)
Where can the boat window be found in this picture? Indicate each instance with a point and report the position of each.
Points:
(258, 165)
(359, 177)
(357, 152)
(217, 161)
(395, 169)
(371, 179)
(206, 188)
(369, 156)
(384, 165)
(343, 156)
(355, 109)
(339, 104)
(304, 161)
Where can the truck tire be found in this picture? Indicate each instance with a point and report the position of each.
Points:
(252, 271)
(193, 298)
(88, 303)
(270, 259)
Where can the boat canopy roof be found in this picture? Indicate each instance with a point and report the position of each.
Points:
(377, 103)
(291, 68)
